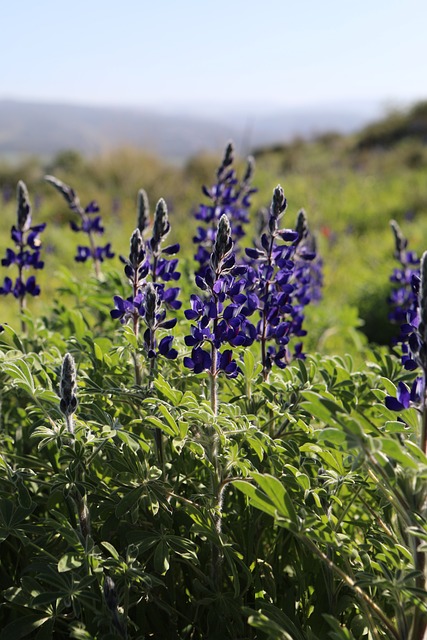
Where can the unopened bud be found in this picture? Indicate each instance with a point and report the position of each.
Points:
(68, 388)
(143, 210)
(23, 207)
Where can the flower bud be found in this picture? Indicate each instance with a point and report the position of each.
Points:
(143, 209)
(68, 387)
(24, 207)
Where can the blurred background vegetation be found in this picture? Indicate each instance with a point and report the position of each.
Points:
(350, 186)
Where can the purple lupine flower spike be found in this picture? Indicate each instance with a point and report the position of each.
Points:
(404, 298)
(149, 296)
(90, 224)
(26, 254)
(227, 196)
(218, 317)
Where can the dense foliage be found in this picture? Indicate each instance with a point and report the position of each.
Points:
(199, 491)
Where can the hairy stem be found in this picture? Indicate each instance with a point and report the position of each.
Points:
(135, 321)
(265, 369)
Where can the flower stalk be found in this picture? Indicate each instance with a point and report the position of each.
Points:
(26, 253)
(90, 224)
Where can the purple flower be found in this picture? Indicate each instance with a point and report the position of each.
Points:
(405, 396)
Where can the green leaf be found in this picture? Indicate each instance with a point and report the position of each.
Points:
(111, 549)
(127, 502)
(22, 627)
(130, 337)
(169, 419)
(416, 451)
(78, 322)
(329, 434)
(69, 561)
(277, 493)
(396, 451)
(21, 373)
(256, 497)
(160, 424)
(161, 558)
(24, 497)
(173, 395)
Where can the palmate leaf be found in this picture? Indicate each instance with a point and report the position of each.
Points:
(23, 626)
(270, 497)
(20, 372)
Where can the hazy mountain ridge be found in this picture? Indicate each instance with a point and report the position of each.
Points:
(46, 128)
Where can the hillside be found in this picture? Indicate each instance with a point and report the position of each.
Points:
(44, 129)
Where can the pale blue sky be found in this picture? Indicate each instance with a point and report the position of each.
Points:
(187, 53)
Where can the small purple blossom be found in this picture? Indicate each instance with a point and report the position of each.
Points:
(405, 397)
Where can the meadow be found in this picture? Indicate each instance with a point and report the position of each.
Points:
(232, 452)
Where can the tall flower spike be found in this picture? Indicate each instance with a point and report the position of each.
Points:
(68, 389)
(404, 298)
(269, 288)
(90, 224)
(228, 196)
(26, 254)
(143, 210)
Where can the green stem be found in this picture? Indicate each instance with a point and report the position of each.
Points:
(22, 300)
(213, 380)
(265, 370)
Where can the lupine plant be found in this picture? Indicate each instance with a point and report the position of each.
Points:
(90, 224)
(269, 283)
(227, 196)
(148, 297)
(26, 254)
(219, 315)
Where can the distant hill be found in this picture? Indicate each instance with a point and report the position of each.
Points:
(397, 126)
(46, 128)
